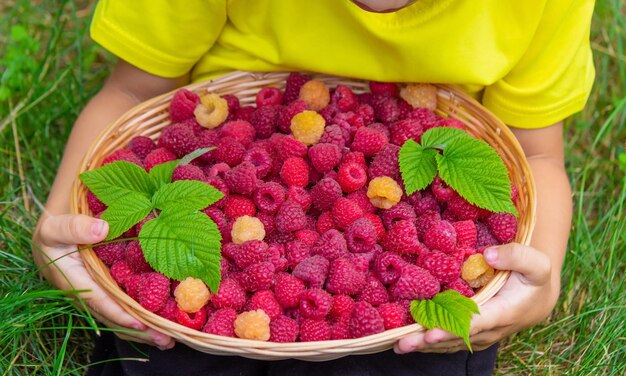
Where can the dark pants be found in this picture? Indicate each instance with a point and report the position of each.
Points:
(184, 361)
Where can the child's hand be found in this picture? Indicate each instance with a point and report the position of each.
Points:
(525, 300)
(55, 239)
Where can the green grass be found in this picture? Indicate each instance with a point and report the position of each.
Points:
(48, 70)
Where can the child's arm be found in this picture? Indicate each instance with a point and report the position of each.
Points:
(58, 232)
(533, 288)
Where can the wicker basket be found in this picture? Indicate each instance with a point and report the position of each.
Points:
(150, 117)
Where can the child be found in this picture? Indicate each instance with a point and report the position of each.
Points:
(528, 62)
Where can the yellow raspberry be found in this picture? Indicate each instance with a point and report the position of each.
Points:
(315, 94)
(384, 192)
(191, 295)
(476, 272)
(247, 228)
(420, 95)
(308, 127)
(211, 111)
(253, 325)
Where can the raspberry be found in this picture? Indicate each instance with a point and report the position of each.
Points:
(315, 303)
(280, 237)
(401, 238)
(373, 292)
(503, 226)
(241, 179)
(345, 212)
(244, 113)
(288, 146)
(253, 325)
(465, 234)
(312, 270)
(191, 295)
(182, 105)
(444, 267)
(300, 196)
(369, 141)
(386, 108)
(308, 237)
(420, 95)
(251, 252)
(382, 128)
(134, 283)
(476, 272)
(195, 127)
(406, 129)
(351, 176)
(425, 117)
(269, 197)
(378, 225)
(259, 276)
(284, 329)
(365, 320)
(463, 210)
(344, 98)
(514, 193)
(288, 112)
(293, 83)
(361, 236)
(484, 238)
(385, 163)
(296, 251)
(95, 205)
(122, 155)
(325, 222)
(111, 252)
(460, 286)
(287, 289)
(290, 217)
(295, 172)
(276, 253)
(451, 123)
(440, 236)
(169, 310)
(121, 271)
(387, 88)
(233, 103)
(393, 315)
(236, 206)
(399, 212)
(240, 130)
(247, 228)
(340, 329)
(188, 172)
(344, 277)
(269, 96)
(384, 192)
(141, 146)
(324, 157)
(195, 320)
(158, 156)
(260, 159)
(229, 151)
(441, 190)
(315, 94)
(211, 111)
(308, 127)
(331, 245)
(135, 258)
(267, 220)
(414, 283)
(221, 323)
(314, 330)
(266, 301)
(229, 295)
(179, 139)
(263, 119)
(325, 193)
(154, 291)
(334, 134)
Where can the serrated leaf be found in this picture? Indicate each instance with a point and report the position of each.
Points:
(118, 179)
(448, 310)
(418, 166)
(125, 213)
(183, 243)
(161, 174)
(194, 154)
(190, 194)
(440, 137)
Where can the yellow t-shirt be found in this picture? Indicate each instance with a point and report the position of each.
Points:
(529, 61)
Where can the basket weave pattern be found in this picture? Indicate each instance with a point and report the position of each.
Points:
(149, 118)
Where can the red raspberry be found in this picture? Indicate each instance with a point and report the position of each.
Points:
(122, 155)
(441, 190)
(382, 128)
(352, 176)
(266, 301)
(241, 179)
(325, 193)
(300, 196)
(426, 203)
(365, 320)
(312, 270)
(244, 113)
(154, 291)
(95, 205)
(445, 268)
(340, 329)
(188, 172)
(295, 172)
(269, 96)
(194, 320)
(308, 237)
(463, 210)
(179, 139)
(112, 252)
(334, 134)
(373, 292)
(325, 222)
(259, 276)
(287, 146)
(292, 86)
(503, 226)
(361, 236)
(237, 206)
(414, 283)
(425, 117)
(344, 277)
(404, 130)
(465, 234)
(341, 307)
(386, 108)
(401, 238)
(460, 286)
(284, 329)
(385, 163)
(121, 271)
(269, 197)
(134, 283)
(280, 237)
(296, 251)
(393, 314)
(315, 303)
(251, 252)
(135, 258)
(169, 310)
(344, 98)
(440, 236)
(369, 141)
(331, 245)
(345, 212)
(229, 295)
(484, 237)
(240, 130)
(290, 217)
(288, 112)
(182, 105)
(216, 216)
(424, 221)
(387, 88)
(233, 104)
(400, 211)
(260, 159)
(141, 146)
(360, 197)
(287, 289)
(314, 330)
(324, 157)
(378, 225)
(221, 323)
(264, 119)
(158, 156)
(229, 151)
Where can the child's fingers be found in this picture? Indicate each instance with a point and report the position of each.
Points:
(68, 229)
(534, 266)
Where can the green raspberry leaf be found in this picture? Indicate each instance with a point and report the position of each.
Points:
(417, 166)
(161, 174)
(193, 155)
(448, 310)
(190, 194)
(125, 213)
(117, 180)
(183, 243)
